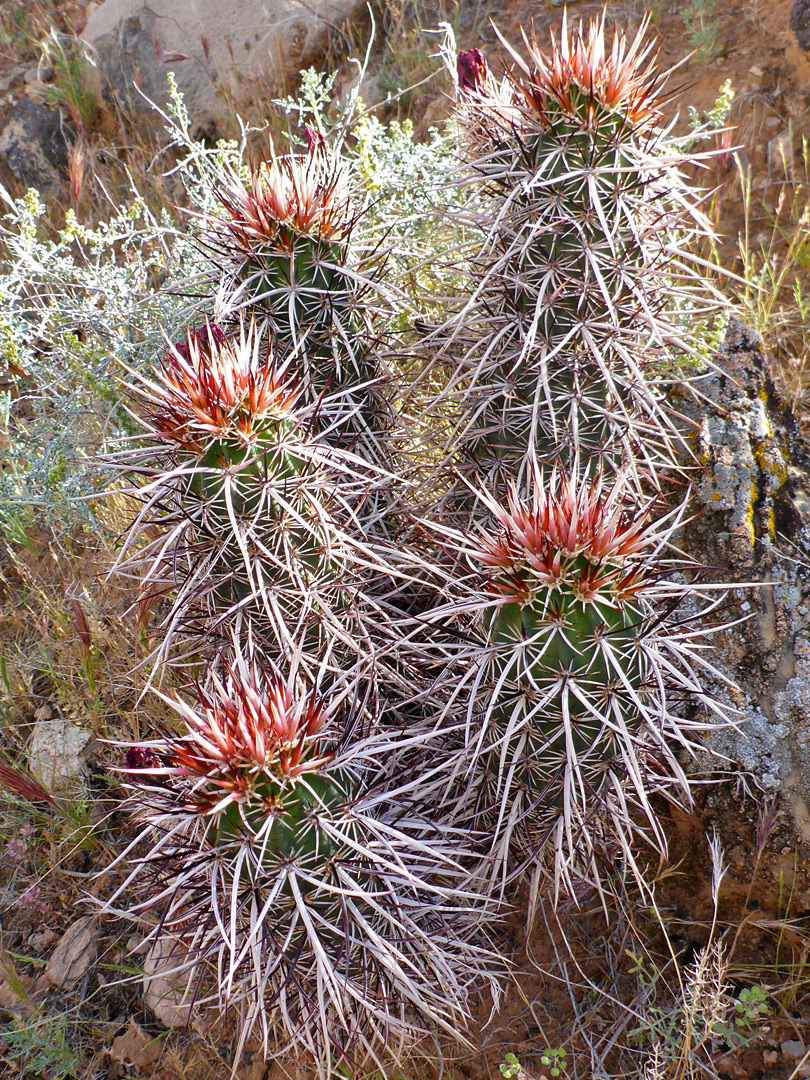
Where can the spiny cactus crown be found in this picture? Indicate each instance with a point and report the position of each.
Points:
(567, 568)
(218, 391)
(254, 765)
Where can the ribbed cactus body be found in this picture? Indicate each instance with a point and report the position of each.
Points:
(564, 629)
(299, 287)
(560, 637)
(557, 682)
(269, 459)
(323, 909)
(280, 819)
(290, 259)
(582, 263)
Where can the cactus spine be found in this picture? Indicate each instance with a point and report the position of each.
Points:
(328, 909)
(582, 261)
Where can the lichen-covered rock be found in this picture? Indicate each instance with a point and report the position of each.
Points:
(59, 753)
(753, 490)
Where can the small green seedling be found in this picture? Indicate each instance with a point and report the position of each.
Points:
(511, 1067)
(750, 1006)
(554, 1061)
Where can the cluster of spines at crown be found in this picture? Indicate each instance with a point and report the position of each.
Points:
(412, 595)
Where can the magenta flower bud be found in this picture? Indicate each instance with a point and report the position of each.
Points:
(472, 69)
(316, 141)
(137, 760)
(200, 338)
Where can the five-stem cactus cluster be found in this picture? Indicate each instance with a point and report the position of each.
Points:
(408, 697)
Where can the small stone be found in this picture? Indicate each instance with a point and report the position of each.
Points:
(437, 111)
(793, 1048)
(257, 1070)
(8, 77)
(44, 712)
(773, 121)
(800, 23)
(135, 1047)
(38, 942)
(164, 986)
(36, 92)
(33, 144)
(769, 1057)
(74, 954)
(756, 71)
(58, 753)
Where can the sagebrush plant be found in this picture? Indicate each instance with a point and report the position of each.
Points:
(90, 293)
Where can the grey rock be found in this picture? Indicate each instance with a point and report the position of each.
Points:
(58, 753)
(74, 954)
(800, 22)
(754, 522)
(33, 142)
(245, 48)
(164, 984)
(792, 1048)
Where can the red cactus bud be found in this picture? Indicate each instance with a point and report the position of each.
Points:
(200, 336)
(316, 141)
(472, 69)
(138, 760)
